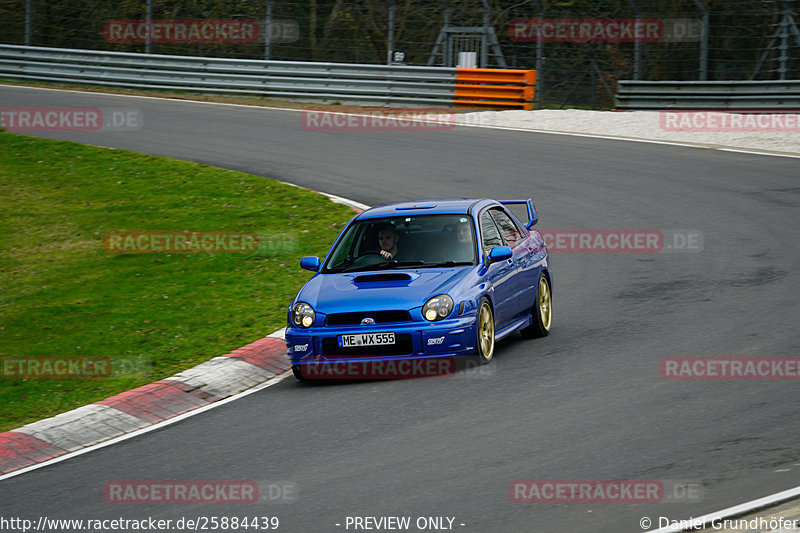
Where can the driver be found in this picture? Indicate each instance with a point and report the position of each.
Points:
(462, 250)
(387, 239)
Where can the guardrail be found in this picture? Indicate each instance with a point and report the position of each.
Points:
(495, 87)
(287, 79)
(754, 95)
(334, 81)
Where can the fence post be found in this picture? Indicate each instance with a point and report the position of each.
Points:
(637, 44)
(484, 39)
(539, 53)
(149, 17)
(28, 21)
(448, 52)
(786, 13)
(268, 31)
(704, 43)
(390, 38)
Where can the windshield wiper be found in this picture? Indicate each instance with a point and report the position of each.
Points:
(374, 266)
(405, 263)
(450, 263)
(384, 266)
(400, 264)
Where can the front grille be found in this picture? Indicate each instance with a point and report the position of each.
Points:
(380, 317)
(402, 346)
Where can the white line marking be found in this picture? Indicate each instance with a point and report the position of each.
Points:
(742, 151)
(280, 334)
(270, 382)
(332, 197)
(345, 201)
(510, 128)
(736, 510)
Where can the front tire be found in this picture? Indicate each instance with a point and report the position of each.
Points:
(298, 374)
(542, 312)
(484, 342)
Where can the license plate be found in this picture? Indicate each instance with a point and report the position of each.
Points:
(366, 339)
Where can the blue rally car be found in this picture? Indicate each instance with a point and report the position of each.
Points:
(422, 280)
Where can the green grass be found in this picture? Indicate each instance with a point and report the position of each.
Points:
(62, 294)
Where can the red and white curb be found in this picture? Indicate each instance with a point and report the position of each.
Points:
(137, 409)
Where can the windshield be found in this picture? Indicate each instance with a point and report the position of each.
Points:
(419, 241)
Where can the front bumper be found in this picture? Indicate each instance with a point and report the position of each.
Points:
(414, 340)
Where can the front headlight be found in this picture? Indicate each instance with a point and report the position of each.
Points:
(303, 315)
(437, 307)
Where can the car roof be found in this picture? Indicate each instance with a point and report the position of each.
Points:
(436, 206)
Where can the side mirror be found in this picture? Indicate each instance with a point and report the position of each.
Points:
(310, 262)
(500, 253)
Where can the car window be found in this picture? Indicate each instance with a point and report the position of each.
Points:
(422, 241)
(490, 234)
(512, 235)
(345, 249)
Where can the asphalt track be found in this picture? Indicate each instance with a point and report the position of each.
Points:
(587, 402)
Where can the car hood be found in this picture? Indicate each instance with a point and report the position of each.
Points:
(378, 290)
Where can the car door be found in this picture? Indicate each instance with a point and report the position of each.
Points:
(499, 274)
(524, 277)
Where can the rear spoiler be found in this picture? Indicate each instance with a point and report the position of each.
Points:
(533, 218)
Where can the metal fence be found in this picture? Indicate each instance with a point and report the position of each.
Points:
(749, 95)
(714, 40)
(330, 81)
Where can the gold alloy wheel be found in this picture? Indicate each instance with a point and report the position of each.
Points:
(486, 331)
(545, 303)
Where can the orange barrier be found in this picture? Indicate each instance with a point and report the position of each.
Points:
(490, 87)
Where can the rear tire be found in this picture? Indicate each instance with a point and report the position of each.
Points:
(542, 312)
(484, 341)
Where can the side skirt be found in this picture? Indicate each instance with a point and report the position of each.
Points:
(508, 330)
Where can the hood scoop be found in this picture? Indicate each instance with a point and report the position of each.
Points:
(380, 278)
